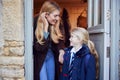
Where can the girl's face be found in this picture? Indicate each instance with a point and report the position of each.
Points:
(53, 17)
(75, 40)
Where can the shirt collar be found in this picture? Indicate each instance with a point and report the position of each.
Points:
(73, 50)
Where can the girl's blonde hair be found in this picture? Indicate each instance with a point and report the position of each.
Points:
(55, 34)
(83, 34)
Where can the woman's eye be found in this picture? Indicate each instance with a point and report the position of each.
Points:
(56, 16)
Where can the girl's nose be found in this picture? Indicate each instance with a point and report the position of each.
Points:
(70, 38)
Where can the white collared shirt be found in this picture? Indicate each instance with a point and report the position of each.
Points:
(73, 52)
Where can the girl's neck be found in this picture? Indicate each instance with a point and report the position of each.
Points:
(77, 47)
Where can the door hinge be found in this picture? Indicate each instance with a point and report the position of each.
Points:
(108, 15)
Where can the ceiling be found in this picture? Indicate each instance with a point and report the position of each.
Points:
(60, 1)
(38, 3)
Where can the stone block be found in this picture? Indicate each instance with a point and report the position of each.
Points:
(13, 23)
(17, 51)
(9, 60)
(12, 72)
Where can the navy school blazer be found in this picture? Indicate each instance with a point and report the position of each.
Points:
(82, 70)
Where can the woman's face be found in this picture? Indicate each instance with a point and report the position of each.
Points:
(53, 17)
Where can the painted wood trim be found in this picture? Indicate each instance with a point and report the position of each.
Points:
(28, 6)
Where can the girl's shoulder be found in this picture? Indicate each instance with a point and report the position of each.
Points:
(89, 58)
(67, 50)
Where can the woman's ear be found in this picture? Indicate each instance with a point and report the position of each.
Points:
(46, 15)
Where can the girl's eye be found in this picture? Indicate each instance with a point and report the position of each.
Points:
(71, 36)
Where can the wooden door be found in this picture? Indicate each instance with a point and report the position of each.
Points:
(99, 29)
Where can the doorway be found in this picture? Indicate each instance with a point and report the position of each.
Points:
(99, 33)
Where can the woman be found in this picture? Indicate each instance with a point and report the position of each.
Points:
(81, 58)
(47, 42)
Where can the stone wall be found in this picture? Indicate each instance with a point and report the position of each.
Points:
(12, 50)
(1, 36)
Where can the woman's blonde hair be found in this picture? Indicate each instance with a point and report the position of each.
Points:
(48, 6)
(83, 34)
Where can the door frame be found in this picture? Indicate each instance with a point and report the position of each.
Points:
(28, 14)
(115, 36)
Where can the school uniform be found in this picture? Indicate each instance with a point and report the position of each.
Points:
(82, 69)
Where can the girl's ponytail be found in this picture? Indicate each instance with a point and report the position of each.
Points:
(94, 52)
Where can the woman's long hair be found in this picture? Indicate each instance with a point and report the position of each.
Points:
(84, 36)
(55, 34)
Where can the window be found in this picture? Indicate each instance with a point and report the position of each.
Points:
(94, 12)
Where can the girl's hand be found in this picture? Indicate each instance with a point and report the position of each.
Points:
(45, 22)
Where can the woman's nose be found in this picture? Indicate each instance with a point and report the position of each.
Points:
(57, 18)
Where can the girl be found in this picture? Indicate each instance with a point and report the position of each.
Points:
(81, 58)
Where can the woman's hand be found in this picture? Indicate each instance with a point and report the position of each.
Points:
(45, 22)
(61, 53)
